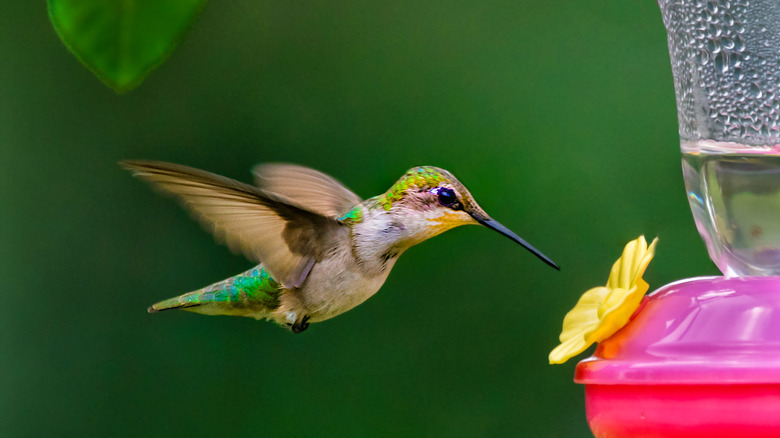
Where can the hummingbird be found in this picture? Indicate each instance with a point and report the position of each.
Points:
(321, 249)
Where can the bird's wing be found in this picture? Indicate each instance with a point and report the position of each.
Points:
(307, 187)
(266, 227)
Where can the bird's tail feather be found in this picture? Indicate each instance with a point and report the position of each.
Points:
(252, 289)
(190, 299)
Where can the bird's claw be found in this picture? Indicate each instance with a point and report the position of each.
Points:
(301, 325)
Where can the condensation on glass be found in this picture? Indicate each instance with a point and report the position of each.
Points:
(726, 64)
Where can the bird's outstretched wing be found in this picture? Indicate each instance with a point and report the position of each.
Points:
(288, 239)
(306, 187)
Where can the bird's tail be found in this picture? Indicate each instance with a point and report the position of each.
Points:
(190, 299)
(251, 289)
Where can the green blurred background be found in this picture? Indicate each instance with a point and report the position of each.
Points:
(558, 115)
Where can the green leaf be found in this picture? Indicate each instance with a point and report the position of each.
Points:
(122, 41)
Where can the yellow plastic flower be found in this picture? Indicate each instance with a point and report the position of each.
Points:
(602, 311)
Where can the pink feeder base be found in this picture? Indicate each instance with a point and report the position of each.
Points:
(699, 358)
(671, 411)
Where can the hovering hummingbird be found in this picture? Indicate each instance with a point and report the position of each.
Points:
(321, 249)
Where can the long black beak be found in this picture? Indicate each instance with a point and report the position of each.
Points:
(495, 225)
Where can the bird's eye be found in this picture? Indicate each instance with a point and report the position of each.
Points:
(446, 197)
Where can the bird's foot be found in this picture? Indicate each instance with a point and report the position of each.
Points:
(301, 325)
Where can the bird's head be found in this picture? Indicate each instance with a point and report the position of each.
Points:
(427, 201)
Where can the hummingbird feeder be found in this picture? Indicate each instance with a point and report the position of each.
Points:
(701, 357)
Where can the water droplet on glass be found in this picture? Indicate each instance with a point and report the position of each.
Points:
(739, 44)
(714, 30)
(755, 91)
(703, 57)
(722, 61)
(713, 45)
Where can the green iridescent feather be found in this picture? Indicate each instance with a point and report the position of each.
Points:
(421, 177)
(253, 288)
(352, 216)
